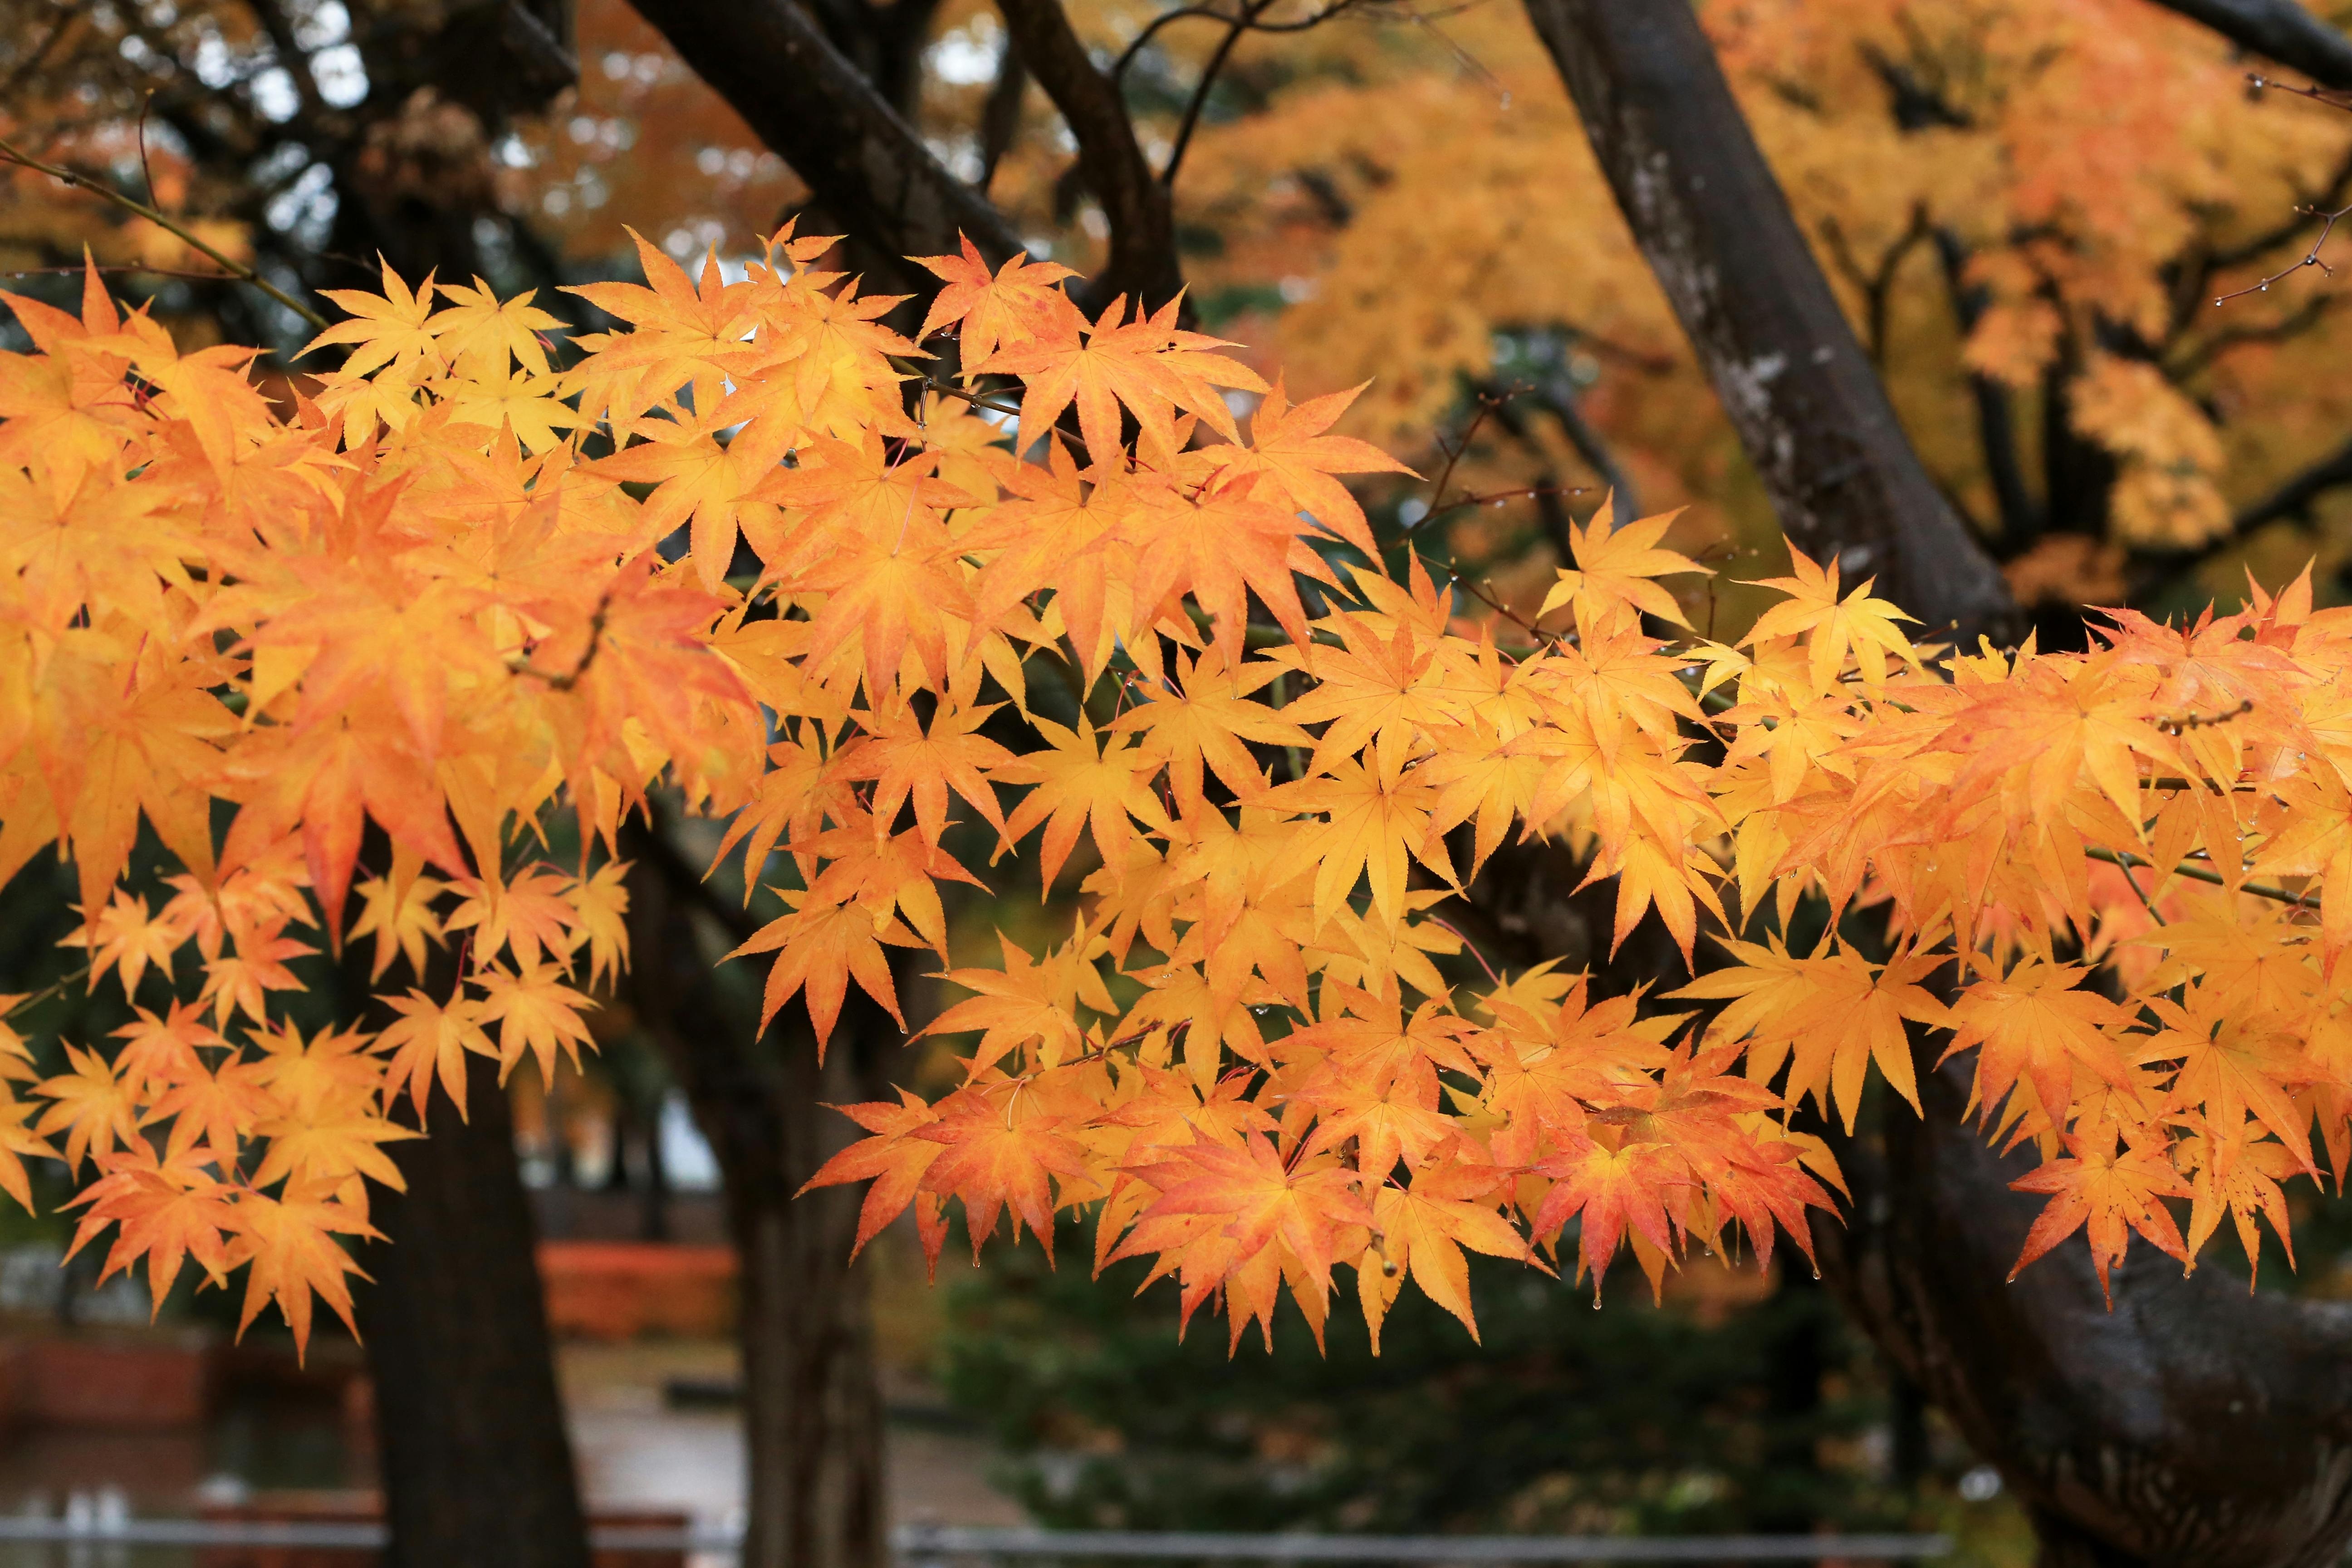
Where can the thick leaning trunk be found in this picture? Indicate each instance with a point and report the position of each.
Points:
(2194, 1425)
(812, 1404)
(477, 1465)
(1707, 213)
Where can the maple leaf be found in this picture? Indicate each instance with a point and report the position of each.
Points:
(93, 1106)
(168, 1212)
(1613, 577)
(1612, 1183)
(400, 916)
(1375, 827)
(907, 760)
(1856, 625)
(216, 1108)
(992, 1162)
(892, 1158)
(16, 1141)
(2112, 1193)
(1203, 724)
(528, 916)
(1423, 1228)
(287, 1246)
(430, 1037)
(600, 904)
(1289, 451)
(1022, 300)
(124, 934)
(387, 329)
(535, 1012)
(2036, 1023)
(1147, 365)
(820, 944)
(1080, 783)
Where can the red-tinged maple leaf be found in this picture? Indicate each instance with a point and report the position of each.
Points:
(892, 1158)
(430, 1039)
(1423, 1229)
(535, 1012)
(124, 934)
(1256, 1198)
(2112, 1193)
(528, 917)
(1024, 1003)
(2037, 1024)
(217, 1109)
(288, 1244)
(1079, 784)
(907, 760)
(169, 1211)
(994, 1161)
(1020, 302)
(159, 1052)
(1613, 1185)
(822, 945)
(90, 1105)
(1147, 365)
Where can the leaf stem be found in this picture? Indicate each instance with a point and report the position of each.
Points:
(11, 152)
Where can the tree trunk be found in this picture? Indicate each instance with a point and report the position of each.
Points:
(812, 1404)
(2194, 1425)
(477, 1466)
(1707, 213)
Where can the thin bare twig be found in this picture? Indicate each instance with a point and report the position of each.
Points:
(2310, 258)
(10, 152)
(1128, 56)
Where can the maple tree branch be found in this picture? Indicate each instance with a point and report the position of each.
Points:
(1241, 23)
(2280, 29)
(2298, 493)
(1248, 22)
(859, 157)
(2195, 873)
(1142, 262)
(1711, 218)
(2310, 258)
(11, 154)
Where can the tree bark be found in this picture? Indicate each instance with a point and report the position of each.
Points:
(2194, 1425)
(860, 159)
(477, 1466)
(2279, 28)
(812, 1405)
(1707, 213)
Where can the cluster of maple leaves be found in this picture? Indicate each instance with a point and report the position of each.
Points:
(459, 586)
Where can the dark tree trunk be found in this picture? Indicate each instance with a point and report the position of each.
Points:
(1707, 213)
(2192, 1423)
(2279, 28)
(811, 1397)
(2195, 1426)
(863, 163)
(477, 1466)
